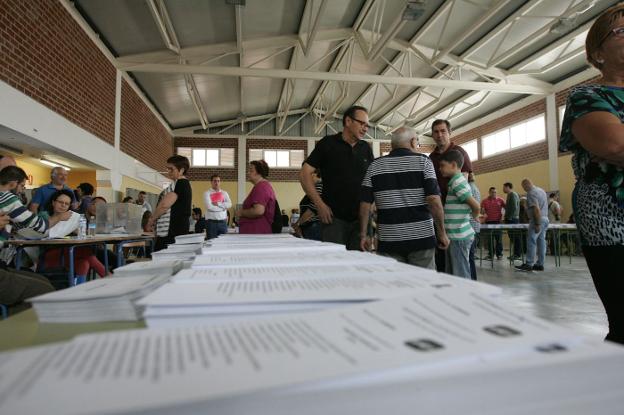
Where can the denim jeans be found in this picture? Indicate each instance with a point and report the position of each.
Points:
(216, 228)
(537, 241)
(342, 232)
(312, 231)
(457, 258)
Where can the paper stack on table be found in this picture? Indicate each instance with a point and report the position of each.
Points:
(104, 299)
(191, 238)
(445, 351)
(149, 268)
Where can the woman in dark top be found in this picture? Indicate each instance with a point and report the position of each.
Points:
(173, 212)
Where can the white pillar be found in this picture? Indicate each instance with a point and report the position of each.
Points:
(242, 168)
(376, 148)
(553, 141)
(311, 145)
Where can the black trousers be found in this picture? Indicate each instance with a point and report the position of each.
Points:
(604, 264)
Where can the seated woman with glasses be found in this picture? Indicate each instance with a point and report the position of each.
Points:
(84, 258)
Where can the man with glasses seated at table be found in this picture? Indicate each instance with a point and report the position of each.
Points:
(16, 286)
(343, 158)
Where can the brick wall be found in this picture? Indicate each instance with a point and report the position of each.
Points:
(280, 175)
(142, 135)
(46, 55)
(204, 173)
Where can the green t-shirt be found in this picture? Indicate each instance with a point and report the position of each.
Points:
(457, 213)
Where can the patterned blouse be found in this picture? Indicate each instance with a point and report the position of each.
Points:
(599, 192)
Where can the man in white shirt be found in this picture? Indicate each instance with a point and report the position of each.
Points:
(217, 203)
(143, 203)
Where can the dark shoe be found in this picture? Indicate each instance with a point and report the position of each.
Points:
(524, 267)
(488, 258)
(499, 257)
(514, 258)
(538, 267)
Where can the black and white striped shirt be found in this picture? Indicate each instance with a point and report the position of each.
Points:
(399, 184)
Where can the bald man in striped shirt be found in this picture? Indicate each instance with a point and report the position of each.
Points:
(404, 187)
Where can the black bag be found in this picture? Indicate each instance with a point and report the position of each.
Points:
(276, 226)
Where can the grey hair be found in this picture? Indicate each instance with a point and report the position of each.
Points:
(401, 138)
(54, 170)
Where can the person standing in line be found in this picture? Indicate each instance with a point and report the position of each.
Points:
(85, 191)
(537, 209)
(512, 216)
(217, 203)
(404, 187)
(476, 226)
(492, 207)
(258, 211)
(593, 130)
(343, 158)
(554, 209)
(441, 133)
(173, 212)
(457, 212)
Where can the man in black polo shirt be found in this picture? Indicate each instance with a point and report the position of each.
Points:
(404, 187)
(343, 158)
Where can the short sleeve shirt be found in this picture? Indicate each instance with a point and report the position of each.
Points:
(537, 197)
(598, 205)
(493, 209)
(343, 168)
(44, 193)
(457, 213)
(181, 209)
(261, 194)
(443, 181)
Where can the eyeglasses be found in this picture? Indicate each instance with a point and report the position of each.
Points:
(362, 123)
(618, 31)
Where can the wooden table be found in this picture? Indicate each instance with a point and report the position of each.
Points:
(73, 242)
(23, 330)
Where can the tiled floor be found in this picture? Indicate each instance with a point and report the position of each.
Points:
(564, 295)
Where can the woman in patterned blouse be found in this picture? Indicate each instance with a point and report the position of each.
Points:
(593, 131)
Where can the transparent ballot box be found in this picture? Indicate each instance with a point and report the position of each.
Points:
(118, 218)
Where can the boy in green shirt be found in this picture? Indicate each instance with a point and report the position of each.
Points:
(457, 211)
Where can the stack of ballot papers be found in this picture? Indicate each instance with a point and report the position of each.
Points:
(192, 238)
(450, 351)
(149, 268)
(300, 257)
(104, 299)
(207, 296)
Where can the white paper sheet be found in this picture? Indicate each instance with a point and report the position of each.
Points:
(143, 369)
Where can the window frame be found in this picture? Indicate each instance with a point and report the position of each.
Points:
(186, 150)
(508, 129)
(277, 151)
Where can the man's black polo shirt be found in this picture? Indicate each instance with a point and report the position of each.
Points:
(342, 168)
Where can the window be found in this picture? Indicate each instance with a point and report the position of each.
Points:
(471, 148)
(522, 134)
(208, 157)
(284, 159)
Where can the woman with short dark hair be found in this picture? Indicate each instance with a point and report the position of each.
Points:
(258, 210)
(173, 212)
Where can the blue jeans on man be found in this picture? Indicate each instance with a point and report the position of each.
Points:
(216, 228)
(457, 258)
(536, 241)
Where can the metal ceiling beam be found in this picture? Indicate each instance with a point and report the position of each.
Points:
(238, 12)
(310, 35)
(331, 76)
(200, 52)
(168, 34)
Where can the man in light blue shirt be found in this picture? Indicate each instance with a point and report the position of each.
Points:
(58, 177)
(537, 210)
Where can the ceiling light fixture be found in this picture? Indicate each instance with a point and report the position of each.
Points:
(414, 9)
(53, 164)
